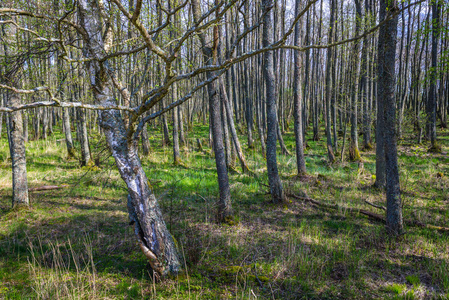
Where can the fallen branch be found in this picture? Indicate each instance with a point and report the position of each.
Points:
(367, 213)
(375, 205)
(47, 188)
(336, 206)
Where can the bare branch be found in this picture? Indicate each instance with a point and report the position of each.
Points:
(65, 104)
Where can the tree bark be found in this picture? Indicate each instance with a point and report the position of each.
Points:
(17, 150)
(68, 133)
(297, 112)
(145, 141)
(144, 212)
(386, 90)
(329, 93)
(432, 97)
(210, 56)
(276, 189)
(84, 138)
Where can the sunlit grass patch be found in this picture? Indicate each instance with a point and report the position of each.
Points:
(282, 252)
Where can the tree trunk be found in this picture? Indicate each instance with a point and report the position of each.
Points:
(329, 93)
(234, 135)
(432, 97)
(176, 155)
(68, 133)
(151, 231)
(354, 153)
(17, 150)
(297, 113)
(145, 141)
(210, 56)
(276, 189)
(84, 138)
(386, 90)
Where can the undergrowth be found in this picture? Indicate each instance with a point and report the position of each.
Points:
(75, 243)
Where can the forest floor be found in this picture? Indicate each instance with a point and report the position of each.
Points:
(75, 242)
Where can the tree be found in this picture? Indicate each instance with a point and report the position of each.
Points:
(387, 98)
(10, 74)
(299, 140)
(276, 190)
(432, 97)
(210, 55)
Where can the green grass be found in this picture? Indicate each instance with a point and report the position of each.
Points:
(75, 243)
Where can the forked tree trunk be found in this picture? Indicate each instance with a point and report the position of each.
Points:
(151, 232)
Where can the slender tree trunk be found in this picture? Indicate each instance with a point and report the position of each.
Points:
(354, 153)
(44, 123)
(182, 138)
(1, 122)
(297, 113)
(210, 56)
(329, 94)
(68, 133)
(234, 135)
(432, 96)
(25, 126)
(145, 141)
(386, 90)
(176, 155)
(276, 189)
(84, 139)
(17, 150)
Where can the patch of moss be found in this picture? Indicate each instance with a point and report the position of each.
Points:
(354, 154)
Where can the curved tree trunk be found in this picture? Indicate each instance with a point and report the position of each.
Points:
(152, 234)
